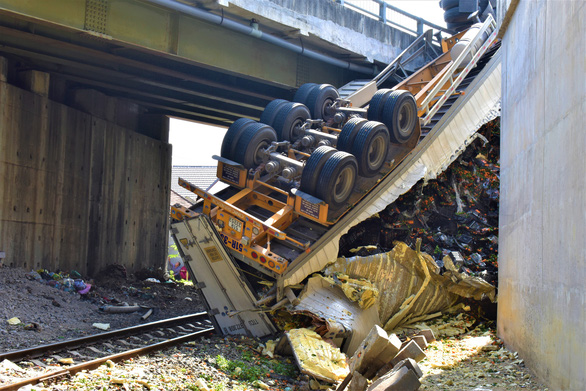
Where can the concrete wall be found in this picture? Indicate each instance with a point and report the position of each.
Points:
(77, 191)
(334, 23)
(542, 252)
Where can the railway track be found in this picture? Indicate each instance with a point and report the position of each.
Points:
(90, 352)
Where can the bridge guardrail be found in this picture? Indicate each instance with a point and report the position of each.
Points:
(393, 16)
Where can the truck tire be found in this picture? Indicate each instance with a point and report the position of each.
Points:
(289, 119)
(377, 103)
(312, 168)
(319, 100)
(400, 116)
(348, 133)
(337, 178)
(460, 26)
(447, 4)
(253, 139)
(232, 135)
(270, 112)
(370, 147)
(453, 15)
(303, 92)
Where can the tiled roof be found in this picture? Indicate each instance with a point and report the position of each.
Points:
(201, 176)
(177, 199)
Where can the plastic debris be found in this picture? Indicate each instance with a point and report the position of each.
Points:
(14, 321)
(101, 326)
(119, 309)
(269, 349)
(263, 386)
(85, 290)
(202, 385)
(32, 326)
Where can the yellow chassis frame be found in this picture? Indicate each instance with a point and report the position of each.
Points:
(249, 235)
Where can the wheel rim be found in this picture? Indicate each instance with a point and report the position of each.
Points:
(344, 184)
(405, 121)
(324, 113)
(377, 152)
(296, 131)
(258, 155)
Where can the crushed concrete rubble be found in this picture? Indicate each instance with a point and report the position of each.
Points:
(383, 363)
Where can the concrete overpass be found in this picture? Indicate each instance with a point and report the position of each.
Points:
(87, 87)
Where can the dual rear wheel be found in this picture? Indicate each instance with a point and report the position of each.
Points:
(245, 141)
(330, 175)
(397, 110)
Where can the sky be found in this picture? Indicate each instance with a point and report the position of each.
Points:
(194, 143)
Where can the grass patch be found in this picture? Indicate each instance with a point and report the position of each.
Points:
(252, 368)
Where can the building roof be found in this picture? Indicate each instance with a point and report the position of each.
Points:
(201, 176)
(177, 199)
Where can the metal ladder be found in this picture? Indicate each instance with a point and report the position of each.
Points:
(422, 46)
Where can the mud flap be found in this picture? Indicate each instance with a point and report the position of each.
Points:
(230, 300)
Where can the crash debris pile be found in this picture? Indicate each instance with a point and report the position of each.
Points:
(410, 285)
(428, 255)
(455, 215)
(71, 282)
(384, 363)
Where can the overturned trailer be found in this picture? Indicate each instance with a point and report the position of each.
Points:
(312, 169)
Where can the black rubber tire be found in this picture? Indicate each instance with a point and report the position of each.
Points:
(290, 116)
(337, 178)
(400, 116)
(460, 26)
(371, 147)
(377, 103)
(447, 4)
(348, 133)
(319, 99)
(254, 138)
(232, 135)
(312, 168)
(303, 92)
(270, 112)
(453, 15)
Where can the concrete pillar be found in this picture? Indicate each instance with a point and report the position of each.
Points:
(36, 82)
(155, 126)
(3, 69)
(94, 103)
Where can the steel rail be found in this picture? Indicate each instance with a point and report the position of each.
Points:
(58, 346)
(93, 364)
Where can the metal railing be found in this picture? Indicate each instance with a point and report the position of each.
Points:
(393, 16)
(398, 64)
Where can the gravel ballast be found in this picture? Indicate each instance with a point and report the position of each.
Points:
(460, 359)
